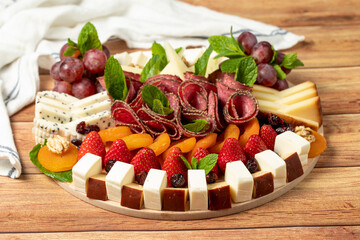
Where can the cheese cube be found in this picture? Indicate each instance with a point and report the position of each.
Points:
(271, 162)
(88, 166)
(120, 174)
(289, 142)
(240, 180)
(139, 59)
(123, 58)
(197, 190)
(154, 186)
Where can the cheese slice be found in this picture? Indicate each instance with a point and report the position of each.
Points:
(175, 66)
(265, 96)
(197, 190)
(139, 59)
(297, 88)
(298, 97)
(89, 165)
(131, 69)
(153, 189)
(96, 98)
(308, 109)
(240, 180)
(124, 58)
(271, 162)
(120, 174)
(270, 105)
(263, 89)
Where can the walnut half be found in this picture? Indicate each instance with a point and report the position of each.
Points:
(58, 144)
(305, 132)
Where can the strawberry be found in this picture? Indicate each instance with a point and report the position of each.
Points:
(231, 151)
(118, 152)
(268, 134)
(254, 145)
(144, 160)
(92, 144)
(200, 153)
(173, 164)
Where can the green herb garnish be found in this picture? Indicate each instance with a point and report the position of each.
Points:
(196, 125)
(201, 63)
(207, 163)
(280, 73)
(157, 62)
(115, 79)
(156, 100)
(61, 176)
(291, 61)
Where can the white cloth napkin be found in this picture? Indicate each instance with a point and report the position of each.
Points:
(32, 32)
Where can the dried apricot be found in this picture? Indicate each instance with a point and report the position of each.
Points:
(205, 142)
(318, 146)
(58, 162)
(136, 141)
(250, 128)
(160, 144)
(231, 131)
(185, 145)
(111, 134)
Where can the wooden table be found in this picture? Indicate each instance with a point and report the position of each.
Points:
(325, 205)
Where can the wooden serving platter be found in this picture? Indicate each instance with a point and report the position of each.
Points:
(191, 215)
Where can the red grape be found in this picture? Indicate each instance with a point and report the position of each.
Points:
(247, 40)
(106, 50)
(267, 75)
(262, 52)
(83, 88)
(281, 85)
(99, 88)
(94, 60)
(63, 49)
(71, 69)
(279, 58)
(63, 87)
(54, 71)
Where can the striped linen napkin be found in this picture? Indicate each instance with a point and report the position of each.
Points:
(33, 31)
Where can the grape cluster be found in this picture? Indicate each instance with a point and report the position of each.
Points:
(263, 53)
(76, 75)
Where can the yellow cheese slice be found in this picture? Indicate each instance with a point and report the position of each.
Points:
(270, 105)
(259, 88)
(308, 109)
(131, 69)
(175, 66)
(298, 97)
(265, 96)
(297, 88)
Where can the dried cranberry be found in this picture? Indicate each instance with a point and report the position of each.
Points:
(280, 130)
(177, 180)
(80, 128)
(90, 128)
(76, 142)
(276, 121)
(140, 177)
(211, 177)
(252, 165)
(109, 165)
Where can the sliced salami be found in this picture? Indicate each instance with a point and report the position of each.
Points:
(187, 117)
(124, 115)
(213, 111)
(240, 107)
(166, 83)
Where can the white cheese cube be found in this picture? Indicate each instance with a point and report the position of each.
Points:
(289, 142)
(240, 180)
(123, 58)
(271, 162)
(120, 174)
(153, 189)
(197, 190)
(139, 59)
(88, 166)
(304, 159)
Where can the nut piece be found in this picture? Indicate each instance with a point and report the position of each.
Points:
(305, 132)
(58, 144)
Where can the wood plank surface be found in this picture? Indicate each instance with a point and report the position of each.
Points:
(39, 200)
(336, 232)
(325, 205)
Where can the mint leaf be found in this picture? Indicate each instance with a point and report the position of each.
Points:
(201, 63)
(230, 65)
(247, 71)
(115, 79)
(280, 73)
(290, 61)
(194, 162)
(187, 164)
(156, 99)
(196, 125)
(61, 176)
(69, 51)
(88, 38)
(208, 162)
(226, 47)
(155, 64)
(159, 108)
(71, 43)
(179, 49)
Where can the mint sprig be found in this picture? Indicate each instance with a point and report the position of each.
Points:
(280, 73)
(156, 100)
(291, 61)
(87, 39)
(202, 62)
(207, 163)
(156, 63)
(115, 79)
(246, 72)
(61, 176)
(196, 125)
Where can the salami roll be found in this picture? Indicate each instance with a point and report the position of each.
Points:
(124, 115)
